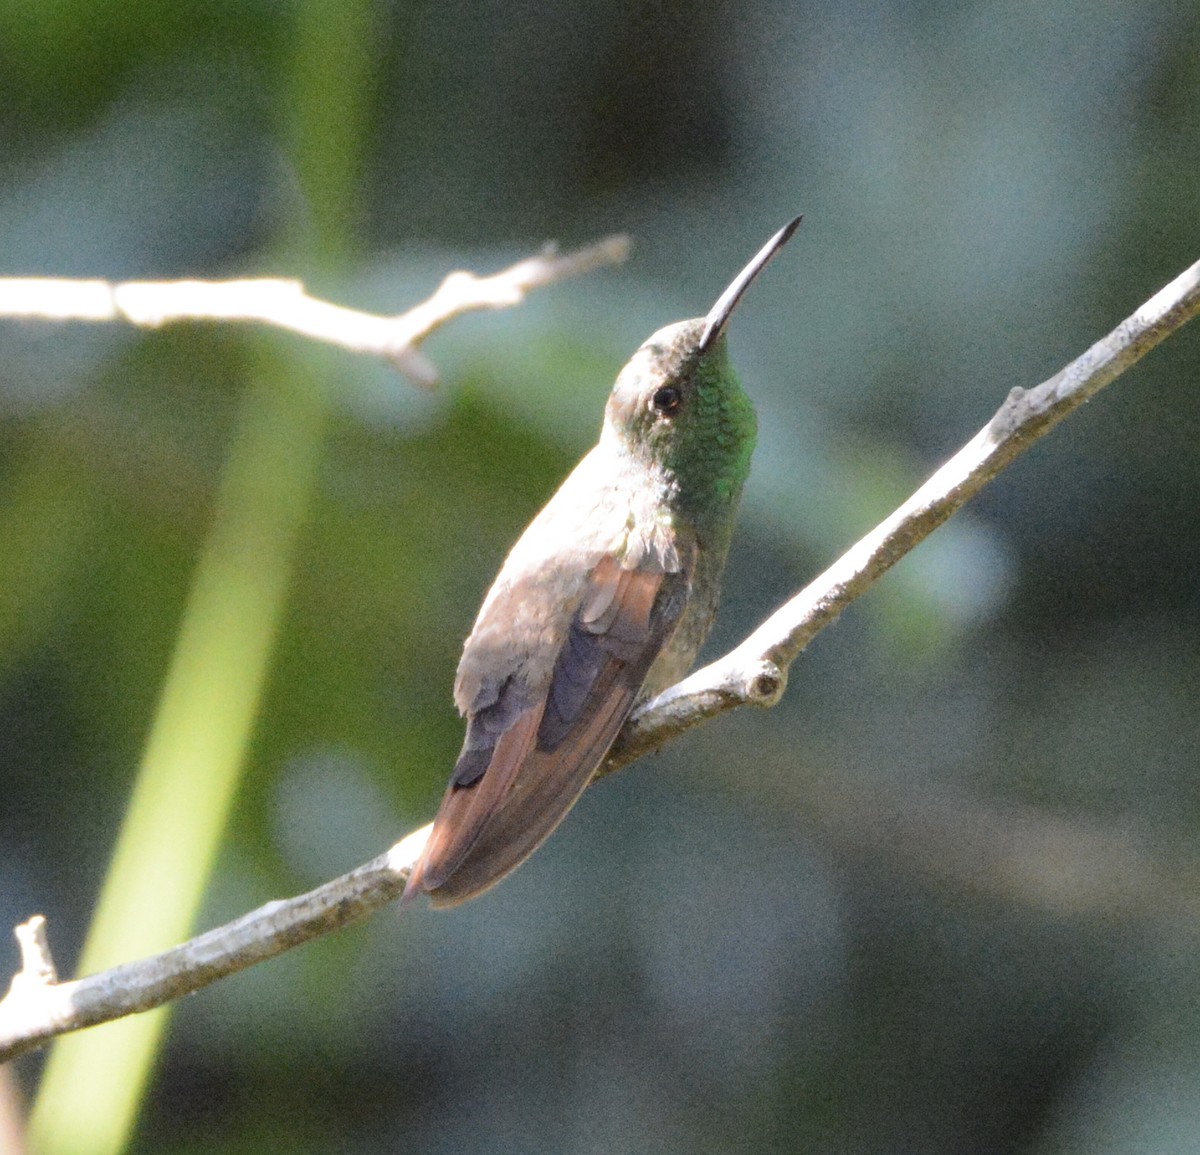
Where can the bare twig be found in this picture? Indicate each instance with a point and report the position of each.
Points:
(286, 305)
(754, 673)
(37, 967)
(34, 1012)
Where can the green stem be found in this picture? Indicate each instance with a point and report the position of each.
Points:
(94, 1083)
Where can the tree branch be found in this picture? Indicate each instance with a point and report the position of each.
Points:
(286, 305)
(755, 673)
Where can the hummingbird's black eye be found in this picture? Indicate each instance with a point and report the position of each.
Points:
(666, 400)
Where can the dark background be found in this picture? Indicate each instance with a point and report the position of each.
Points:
(942, 898)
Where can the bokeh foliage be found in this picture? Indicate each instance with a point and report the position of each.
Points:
(936, 901)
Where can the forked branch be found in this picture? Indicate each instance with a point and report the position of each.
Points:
(286, 304)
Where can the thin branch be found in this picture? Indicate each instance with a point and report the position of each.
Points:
(285, 304)
(32, 1013)
(754, 673)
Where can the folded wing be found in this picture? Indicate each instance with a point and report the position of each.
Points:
(528, 757)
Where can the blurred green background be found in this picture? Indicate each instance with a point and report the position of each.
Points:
(942, 898)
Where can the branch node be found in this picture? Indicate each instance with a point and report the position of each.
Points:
(410, 361)
(1008, 418)
(37, 965)
(763, 683)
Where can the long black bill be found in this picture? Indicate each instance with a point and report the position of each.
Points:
(719, 314)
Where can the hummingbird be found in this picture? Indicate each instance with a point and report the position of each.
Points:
(603, 602)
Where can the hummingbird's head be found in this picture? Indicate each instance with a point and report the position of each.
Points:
(680, 411)
(678, 407)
